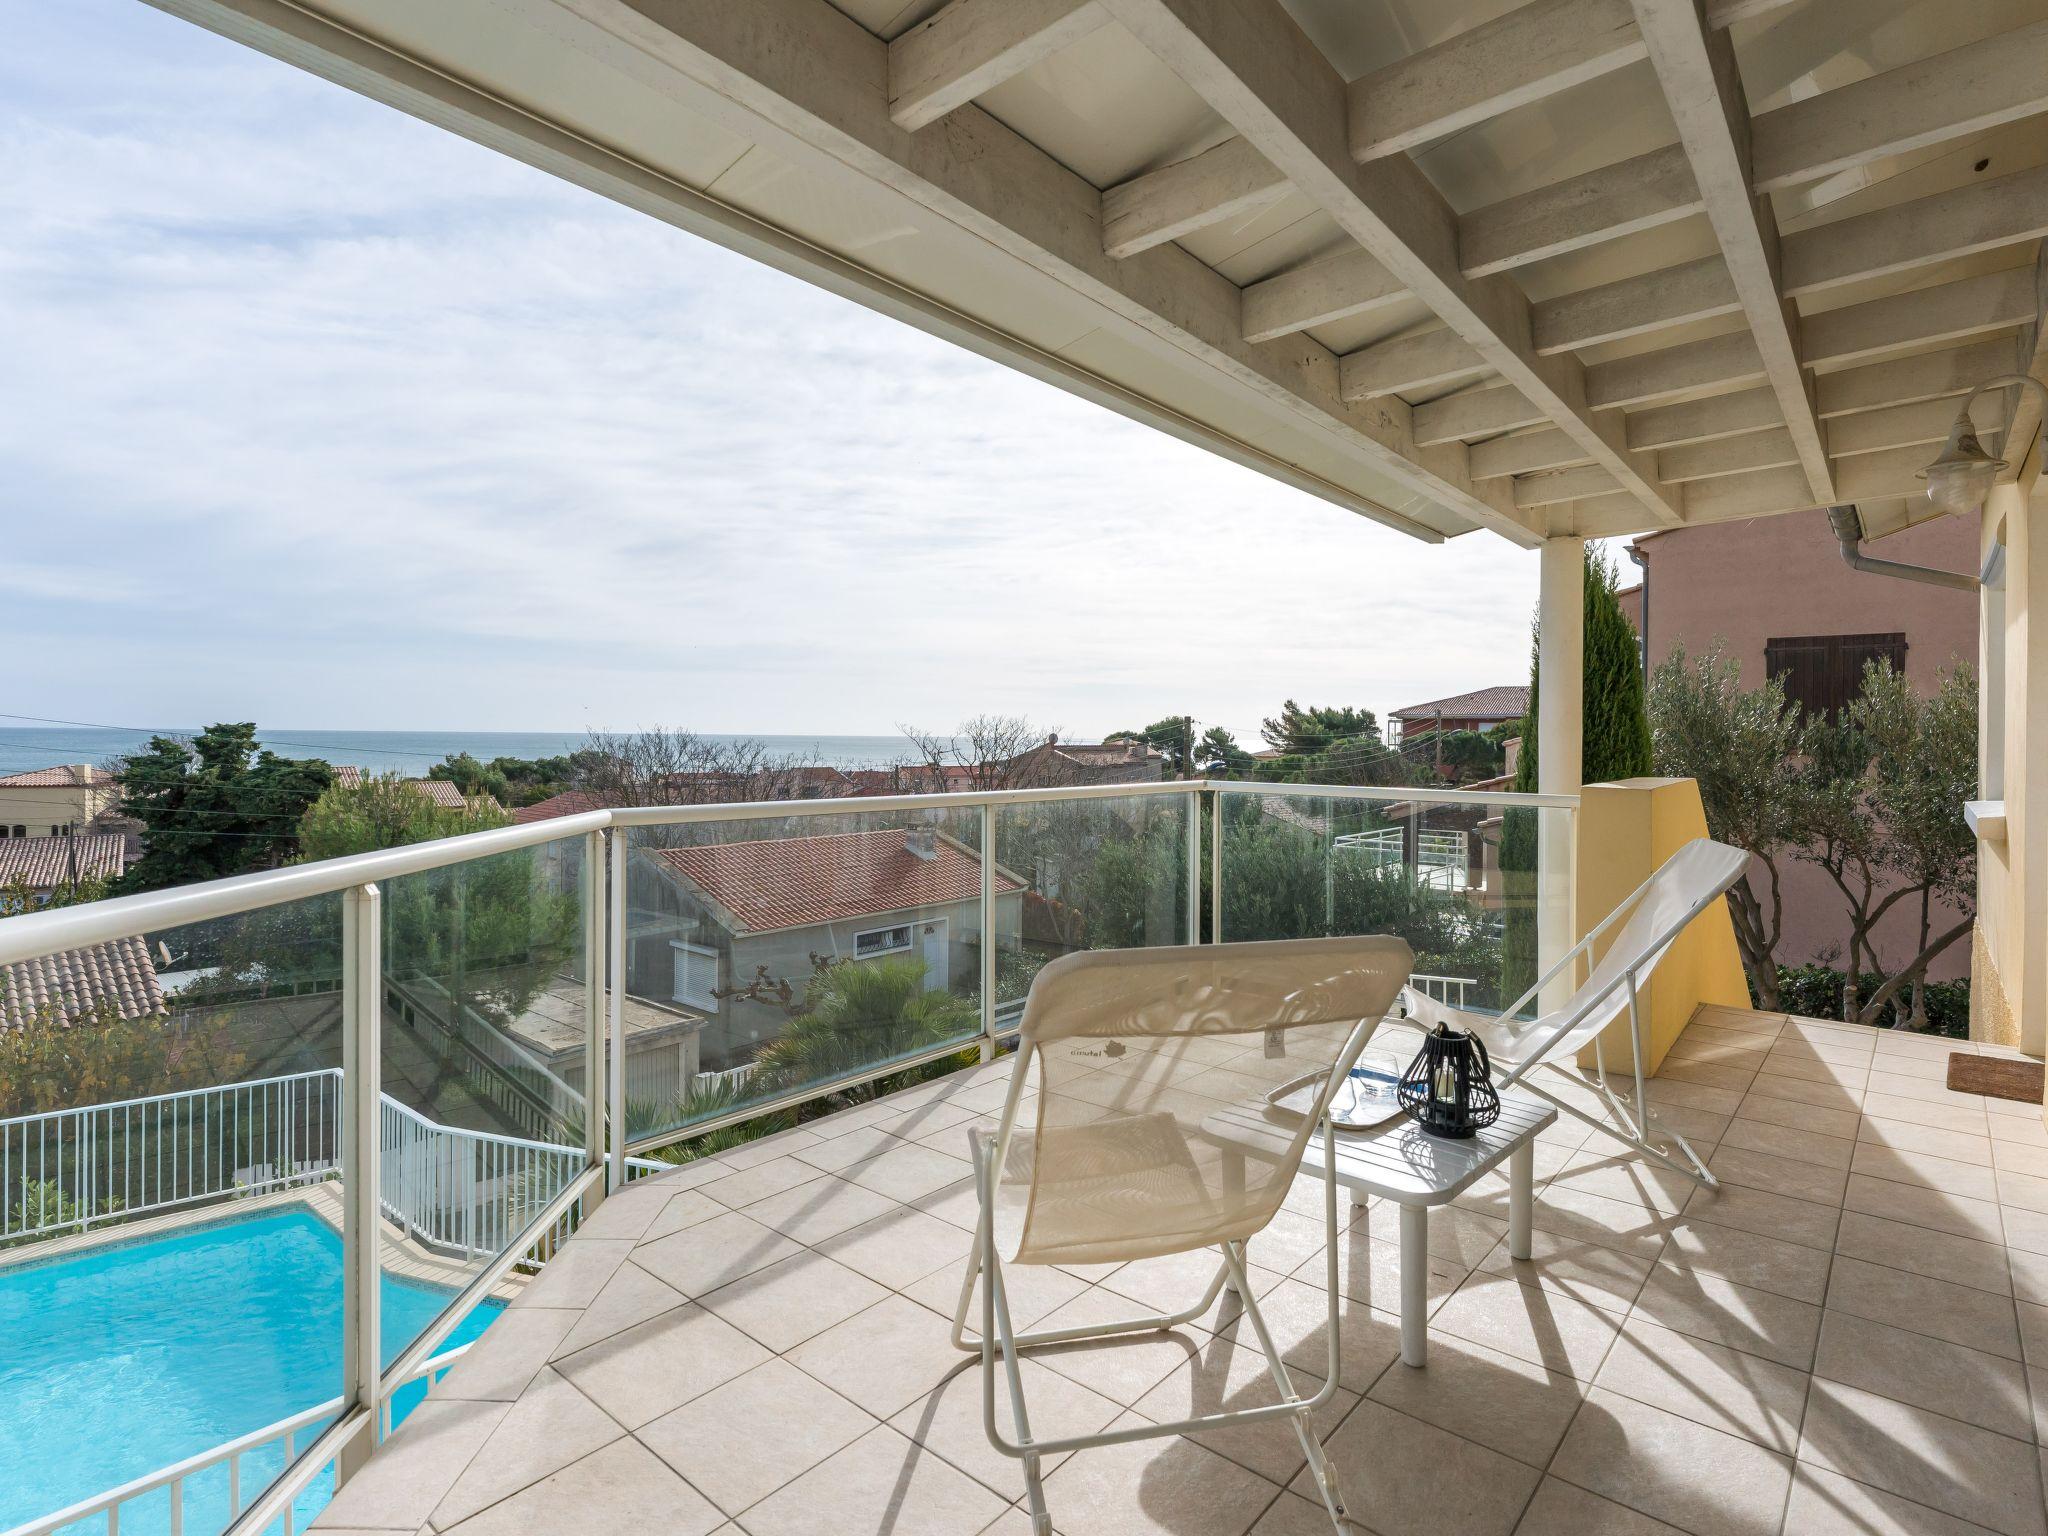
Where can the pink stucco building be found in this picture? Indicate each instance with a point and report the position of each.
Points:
(1776, 595)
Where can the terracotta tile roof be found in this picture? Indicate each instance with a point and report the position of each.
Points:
(799, 882)
(67, 777)
(41, 862)
(1506, 701)
(442, 792)
(570, 802)
(117, 974)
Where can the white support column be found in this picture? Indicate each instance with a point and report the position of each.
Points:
(1194, 810)
(614, 1099)
(361, 1021)
(988, 933)
(596, 957)
(1560, 740)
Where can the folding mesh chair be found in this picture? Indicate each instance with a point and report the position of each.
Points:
(1106, 1150)
(1650, 921)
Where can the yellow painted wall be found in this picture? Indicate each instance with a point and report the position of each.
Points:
(1625, 831)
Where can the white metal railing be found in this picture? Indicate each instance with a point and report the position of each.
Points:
(1440, 987)
(473, 1192)
(65, 1169)
(175, 1479)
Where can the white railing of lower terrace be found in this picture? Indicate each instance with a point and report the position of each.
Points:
(173, 1481)
(583, 1176)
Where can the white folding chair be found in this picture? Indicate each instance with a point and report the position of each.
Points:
(1652, 917)
(1101, 1155)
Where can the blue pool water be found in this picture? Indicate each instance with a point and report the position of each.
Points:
(124, 1359)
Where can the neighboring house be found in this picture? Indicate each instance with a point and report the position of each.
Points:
(1775, 595)
(50, 802)
(79, 983)
(570, 802)
(735, 930)
(45, 863)
(443, 792)
(1480, 710)
(1123, 761)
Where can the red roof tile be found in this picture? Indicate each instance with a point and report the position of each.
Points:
(1504, 701)
(799, 882)
(570, 802)
(76, 981)
(42, 862)
(67, 777)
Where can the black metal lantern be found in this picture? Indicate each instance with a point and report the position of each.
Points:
(1448, 1087)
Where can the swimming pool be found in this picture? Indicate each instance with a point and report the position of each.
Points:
(120, 1360)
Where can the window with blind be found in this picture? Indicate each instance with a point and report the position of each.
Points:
(1822, 673)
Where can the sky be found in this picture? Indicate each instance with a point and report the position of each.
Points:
(317, 415)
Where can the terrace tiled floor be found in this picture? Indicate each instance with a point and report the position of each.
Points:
(1851, 1335)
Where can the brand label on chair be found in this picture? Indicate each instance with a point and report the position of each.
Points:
(1276, 1043)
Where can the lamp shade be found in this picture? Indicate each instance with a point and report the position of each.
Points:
(1960, 479)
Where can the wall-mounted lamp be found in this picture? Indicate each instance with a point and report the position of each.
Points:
(1960, 479)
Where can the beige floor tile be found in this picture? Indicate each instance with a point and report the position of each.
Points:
(1960, 1214)
(908, 1172)
(1618, 1224)
(1905, 1136)
(550, 1427)
(1718, 1101)
(1827, 1504)
(1724, 1389)
(1507, 1404)
(622, 1487)
(2020, 1157)
(1720, 1311)
(787, 1302)
(631, 1296)
(740, 1442)
(880, 1483)
(1943, 1463)
(1793, 1115)
(1968, 1118)
(1464, 1237)
(1229, 1376)
(1603, 1277)
(947, 1420)
(883, 1358)
(1926, 1170)
(1764, 1212)
(685, 1209)
(1169, 1487)
(783, 1143)
(1600, 1169)
(661, 1364)
(772, 1177)
(627, 1213)
(1960, 1314)
(1559, 1509)
(2022, 1190)
(2025, 1129)
(1673, 1468)
(574, 1276)
(1122, 1367)
(1288, 1515)
(1790, 1142)
(1803, 1090)
(1033, 1290)
(1924, 1251)
(414, 1469)
(810, 1213)
(717, 1252)
(1967, 1384)
(899, 1247)
(1749, 1258)
(1369, 1270)
(844, 1150)
(1298, 1317)
(1780, 1175)
(2034, 1333)
(1932, 1089)
(2029, 1275)
(1541, 1326)
(1846, 1045)
(1403, 1477)
(521, 1342)
(1785, 1063)
(1714, 1070)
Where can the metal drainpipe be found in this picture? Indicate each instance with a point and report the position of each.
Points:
(1641, 562)
(1848, 526)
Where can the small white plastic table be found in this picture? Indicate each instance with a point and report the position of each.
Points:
(1401, 1162)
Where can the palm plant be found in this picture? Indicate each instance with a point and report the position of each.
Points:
(856, 1017)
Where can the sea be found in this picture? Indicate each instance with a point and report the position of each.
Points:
(408, 752)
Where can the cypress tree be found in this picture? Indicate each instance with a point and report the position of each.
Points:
(1615, 745)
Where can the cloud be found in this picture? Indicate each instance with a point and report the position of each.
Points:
(323, 416)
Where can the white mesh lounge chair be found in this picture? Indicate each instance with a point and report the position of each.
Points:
(1101, 1155)
(1655, 914)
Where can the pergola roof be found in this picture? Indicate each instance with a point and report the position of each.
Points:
(1569, 266)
